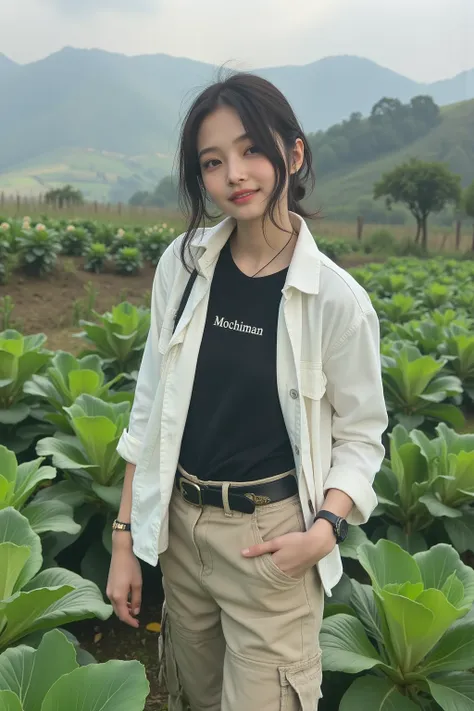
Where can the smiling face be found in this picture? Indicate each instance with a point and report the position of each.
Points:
(236, 175)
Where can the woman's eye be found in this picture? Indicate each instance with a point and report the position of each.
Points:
(253, 149)
(210, 163)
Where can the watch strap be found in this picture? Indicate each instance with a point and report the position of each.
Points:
(333, 520)
(121, 526)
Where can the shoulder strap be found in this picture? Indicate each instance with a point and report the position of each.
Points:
(184, 298)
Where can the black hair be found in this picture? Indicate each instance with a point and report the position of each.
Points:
(266, 115)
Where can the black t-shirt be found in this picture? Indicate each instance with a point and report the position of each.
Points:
(235, 429)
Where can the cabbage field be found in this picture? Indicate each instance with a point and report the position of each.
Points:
(398, 633)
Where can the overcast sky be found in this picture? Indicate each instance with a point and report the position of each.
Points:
(425, 40)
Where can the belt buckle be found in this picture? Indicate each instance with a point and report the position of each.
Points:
(182, 482)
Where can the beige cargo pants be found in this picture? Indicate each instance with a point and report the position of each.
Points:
(238, 634)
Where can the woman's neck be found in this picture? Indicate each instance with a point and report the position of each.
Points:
(253, 245)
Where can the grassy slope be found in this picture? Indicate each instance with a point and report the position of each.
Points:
(451, 141)
(94, 172)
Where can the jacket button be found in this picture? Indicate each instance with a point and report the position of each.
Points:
(294, 394)
(297, 450)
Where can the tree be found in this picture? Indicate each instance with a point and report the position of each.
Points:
(424, 109)
(468, 204)
(423, 187)
(67, 194)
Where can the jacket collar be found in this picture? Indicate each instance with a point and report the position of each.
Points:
(305, 266)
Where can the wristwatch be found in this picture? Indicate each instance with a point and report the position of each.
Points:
(120, 526)
(339, 524)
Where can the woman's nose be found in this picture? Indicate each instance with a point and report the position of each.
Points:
(235, 171)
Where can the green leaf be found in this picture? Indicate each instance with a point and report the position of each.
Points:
(355, 537)
(446, 413)
(29, 673)
(363, 602)
(410, 542)
(23, 612)
(437, 565)
(375, 560)
(12, 562)
(437, 508)
(453, 653)
(84, 601)
(8, 464)
(51, 516)
(375, 694)
(346, 647)
(14, 414)
(110, 494)
(9, 701)
(29, 476)
(461, 531)
(84, 381)
(113, 686)
(65, 455)
(453, 692)
(14, 528)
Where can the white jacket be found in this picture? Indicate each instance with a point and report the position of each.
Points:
(329, 384)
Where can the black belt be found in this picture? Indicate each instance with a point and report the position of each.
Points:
(245, 501)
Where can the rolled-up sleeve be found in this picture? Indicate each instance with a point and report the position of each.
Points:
(355, 391)
(131, 441)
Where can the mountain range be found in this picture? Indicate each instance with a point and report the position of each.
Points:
(104, 121)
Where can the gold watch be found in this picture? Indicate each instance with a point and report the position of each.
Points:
(120, 526)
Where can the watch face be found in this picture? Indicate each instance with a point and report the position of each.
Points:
(342, 529)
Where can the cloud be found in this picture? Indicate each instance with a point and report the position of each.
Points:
(90, 7)
(423, 40)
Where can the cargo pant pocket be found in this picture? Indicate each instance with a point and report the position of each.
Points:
(300, 685)
(168, 676)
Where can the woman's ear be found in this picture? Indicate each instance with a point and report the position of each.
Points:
(297, 156)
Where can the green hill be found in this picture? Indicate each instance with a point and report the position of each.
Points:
(348, 193)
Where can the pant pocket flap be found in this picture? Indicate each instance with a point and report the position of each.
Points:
(301, 685)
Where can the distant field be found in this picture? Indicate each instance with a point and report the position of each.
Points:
(96, 173)
(440, 238)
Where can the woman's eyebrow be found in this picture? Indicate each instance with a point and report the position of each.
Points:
(213, 149)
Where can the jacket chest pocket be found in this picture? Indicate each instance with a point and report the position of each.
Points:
(313, 380)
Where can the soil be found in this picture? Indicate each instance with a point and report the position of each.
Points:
(47, 304)
(113, 639)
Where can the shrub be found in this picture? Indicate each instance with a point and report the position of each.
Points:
(38, 250)
(416, 388)
(128, 260)
(381, 241)
(31, 600)
(18, 483)
(75, 241)
(333, 248)
(153, 245)
(426, 483)
(65, 380)
(406, 632)
(96, 255)
(56, 681)
(20, 357)
(119, 338)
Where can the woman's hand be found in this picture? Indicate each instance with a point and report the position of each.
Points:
(125, 580)
(295, 553)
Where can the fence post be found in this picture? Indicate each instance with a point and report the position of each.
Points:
(2, 198)
(360, 228)
(458, 234)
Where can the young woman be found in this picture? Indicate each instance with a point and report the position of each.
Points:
(256, 428)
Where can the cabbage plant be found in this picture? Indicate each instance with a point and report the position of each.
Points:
(416, 388)
(50, 679)
(93, 470)
(410, 635)
(66, 379)
(119, 337)
(31, 600)
(18, 483)
(459, 348)
(425, 484)
(20, 358)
